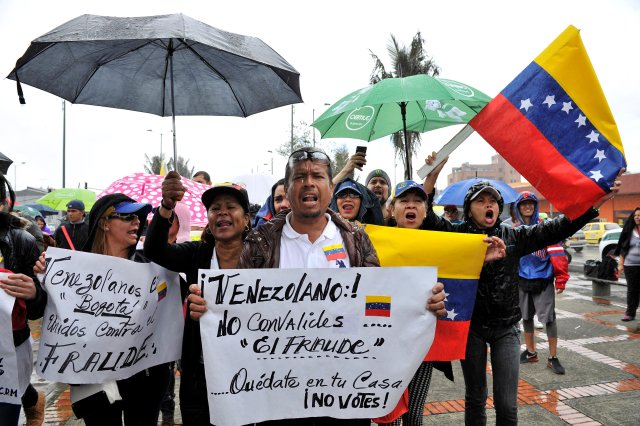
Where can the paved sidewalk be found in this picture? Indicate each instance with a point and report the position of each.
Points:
(601, 386)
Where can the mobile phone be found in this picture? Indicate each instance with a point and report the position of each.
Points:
(362, 149)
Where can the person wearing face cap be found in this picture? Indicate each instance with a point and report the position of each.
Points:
(115, 225)
(220, 248)
(355, 202)
(497, 310)
(74, 233)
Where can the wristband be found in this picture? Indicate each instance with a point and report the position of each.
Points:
(163, 206)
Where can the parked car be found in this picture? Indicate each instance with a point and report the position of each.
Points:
(576, 241)
(609, 242)
(593, 231)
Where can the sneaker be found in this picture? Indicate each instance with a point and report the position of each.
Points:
(537, 324)
(554, 364)
(35, 414)
(527, 356)
(627, 318)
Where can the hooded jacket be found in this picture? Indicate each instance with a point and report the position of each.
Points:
(370, 211)
(546, 264)
(497, 298)
(20, 253)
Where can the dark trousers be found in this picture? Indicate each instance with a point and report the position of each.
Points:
(141, 398)
(505, 363)
(632, 273)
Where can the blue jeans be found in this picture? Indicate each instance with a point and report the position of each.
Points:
(505, 363)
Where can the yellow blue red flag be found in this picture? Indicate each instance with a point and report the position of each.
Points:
(459, 258)
(553, 124)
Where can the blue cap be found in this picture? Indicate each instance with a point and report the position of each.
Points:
(349, 185)
(125, 207)
(406, 185)
(76, 205)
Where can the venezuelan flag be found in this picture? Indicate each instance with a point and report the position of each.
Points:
(554, 126)
(377, 306)
(162, 290)
(459, 258)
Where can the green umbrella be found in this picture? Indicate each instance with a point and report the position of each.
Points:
(59, 198)
(28, 210)
(418, 103)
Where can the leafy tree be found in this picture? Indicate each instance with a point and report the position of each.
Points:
(153, 166)
(302, 137)
(405, 61)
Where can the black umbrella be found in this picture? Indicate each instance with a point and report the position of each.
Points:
(5, 162)
(166, 65)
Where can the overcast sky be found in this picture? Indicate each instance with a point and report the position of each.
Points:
(484, 44)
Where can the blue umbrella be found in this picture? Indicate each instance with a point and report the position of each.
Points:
(455, 193)
(44, 210)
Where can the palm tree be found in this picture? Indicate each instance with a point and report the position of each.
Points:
(153, 166)
(405, 61)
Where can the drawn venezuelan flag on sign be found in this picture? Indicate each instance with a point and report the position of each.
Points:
(377, 306)
(459, 258)
(162, 290)
(553, 124)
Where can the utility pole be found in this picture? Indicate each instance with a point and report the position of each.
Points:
(292, 128)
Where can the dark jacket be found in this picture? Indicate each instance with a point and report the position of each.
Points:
(78, 232)
(497, 299)
(20, 253)
(625, 235)
(370, 210)
(262, 245)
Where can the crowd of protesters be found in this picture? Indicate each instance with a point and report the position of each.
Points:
(306, 210)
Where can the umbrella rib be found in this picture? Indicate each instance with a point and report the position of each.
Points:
(106, 62)
(212, 68)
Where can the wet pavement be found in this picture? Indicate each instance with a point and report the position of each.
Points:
(601, 385)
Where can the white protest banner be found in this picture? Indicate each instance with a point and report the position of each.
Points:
(9, 391)
(107, 318)
(293, 343)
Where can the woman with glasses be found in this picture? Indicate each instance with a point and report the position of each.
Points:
(115, 225)
(220, 248)
(355, 202)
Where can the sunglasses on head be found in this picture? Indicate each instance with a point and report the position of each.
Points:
(347, 194)
(308, 155)
(126, 217)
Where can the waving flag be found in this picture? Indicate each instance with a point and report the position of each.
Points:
(554, 126)
(459, 258)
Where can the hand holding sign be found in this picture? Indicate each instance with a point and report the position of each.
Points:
(19, 286)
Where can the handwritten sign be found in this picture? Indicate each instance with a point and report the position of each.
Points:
(294, 343)
(107, 318)
(9, 391)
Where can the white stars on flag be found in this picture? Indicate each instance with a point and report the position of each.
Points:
(596, 175)
(582, 120)
(526, 104)
(593, 136)
(550, 100)
(600, 155)
(566, 107)
(452, 314)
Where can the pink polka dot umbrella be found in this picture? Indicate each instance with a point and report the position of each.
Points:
(146, 188)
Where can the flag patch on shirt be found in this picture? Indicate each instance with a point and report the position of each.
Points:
(335, 251)
(377, 306)
(162, 290)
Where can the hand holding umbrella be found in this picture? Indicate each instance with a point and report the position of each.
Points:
(172, 191)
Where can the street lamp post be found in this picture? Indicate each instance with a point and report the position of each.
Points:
(15, 174)
(313, 119)
(271, 152)
(292, 128)
(161, 134)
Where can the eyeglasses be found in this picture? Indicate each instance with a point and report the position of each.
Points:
(347, 194)
(308, 155)
(451, 211)
(126, 217)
